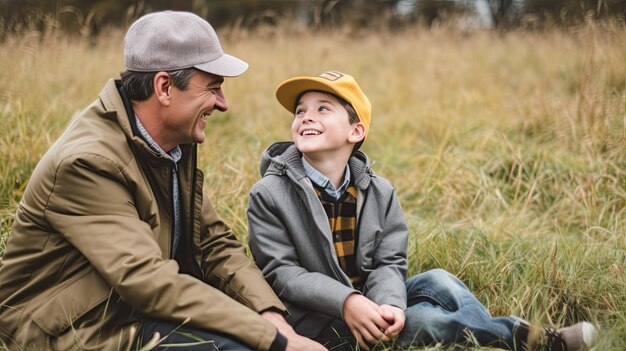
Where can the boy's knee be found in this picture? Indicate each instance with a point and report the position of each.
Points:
(437, 284)
(439, 273)
(433, 277)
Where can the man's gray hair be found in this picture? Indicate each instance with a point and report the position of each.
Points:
(138, 86)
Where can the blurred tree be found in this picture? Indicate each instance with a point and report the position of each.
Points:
(502, 13)
(573, 11)
(90, 16)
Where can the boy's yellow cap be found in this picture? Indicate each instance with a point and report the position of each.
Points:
(340, 84)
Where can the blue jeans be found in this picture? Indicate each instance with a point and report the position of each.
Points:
(176, 337)
(441, 309)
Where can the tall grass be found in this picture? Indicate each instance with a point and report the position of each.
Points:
(508, 151)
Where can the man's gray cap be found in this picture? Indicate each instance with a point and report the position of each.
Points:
(171, 40)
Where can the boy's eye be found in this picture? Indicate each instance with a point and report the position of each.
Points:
(299, 111)
(324, 108)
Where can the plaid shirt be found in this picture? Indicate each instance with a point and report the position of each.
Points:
(340, 207)
(342, 220)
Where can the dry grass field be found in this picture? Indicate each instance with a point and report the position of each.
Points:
(508, 150)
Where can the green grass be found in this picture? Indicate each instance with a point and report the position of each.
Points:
(508, 151)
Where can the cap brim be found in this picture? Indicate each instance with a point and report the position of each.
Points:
(289, 90)
(225, 66)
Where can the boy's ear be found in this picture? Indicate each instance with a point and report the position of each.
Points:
(357, 133)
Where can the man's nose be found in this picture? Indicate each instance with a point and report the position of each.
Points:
(220, 102)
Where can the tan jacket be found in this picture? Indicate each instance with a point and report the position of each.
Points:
(90, 247)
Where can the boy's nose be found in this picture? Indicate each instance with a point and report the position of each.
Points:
(308, 117)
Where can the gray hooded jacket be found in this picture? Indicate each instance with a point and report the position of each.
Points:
(291, 240)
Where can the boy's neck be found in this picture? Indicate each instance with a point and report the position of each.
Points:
(332, 167)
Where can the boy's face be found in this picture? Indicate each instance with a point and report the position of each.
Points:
(321, 126)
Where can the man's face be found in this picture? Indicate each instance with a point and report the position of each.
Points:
(191, 107)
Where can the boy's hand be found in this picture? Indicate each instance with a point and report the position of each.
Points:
(365, 320)
(394, 316)
(295, 342)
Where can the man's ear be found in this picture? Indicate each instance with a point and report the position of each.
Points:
(162, 87)
(357, 133)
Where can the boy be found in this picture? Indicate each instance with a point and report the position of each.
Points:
(330, 238)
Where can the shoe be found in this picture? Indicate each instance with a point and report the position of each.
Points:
(578, 337)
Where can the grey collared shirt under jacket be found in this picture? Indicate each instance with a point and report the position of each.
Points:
(322, 181)
(174, 156)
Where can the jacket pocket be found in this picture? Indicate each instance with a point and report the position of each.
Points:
(70, 303)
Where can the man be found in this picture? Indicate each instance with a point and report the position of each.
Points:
(114, 245)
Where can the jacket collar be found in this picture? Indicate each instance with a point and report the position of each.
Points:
(118, 107)
(284, 158)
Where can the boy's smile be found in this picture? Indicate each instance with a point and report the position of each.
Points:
(308, 132)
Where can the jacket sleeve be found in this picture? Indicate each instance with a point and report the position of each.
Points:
(227, 266)
(385, 281)
(274, 251)
(92, 206)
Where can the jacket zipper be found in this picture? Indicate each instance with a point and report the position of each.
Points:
(192, 210)
(173, 173)
(358, 234)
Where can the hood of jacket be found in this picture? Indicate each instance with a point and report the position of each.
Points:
(283, 158)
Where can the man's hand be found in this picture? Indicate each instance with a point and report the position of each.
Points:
(365, 320)
(394, 316)
(295, 342)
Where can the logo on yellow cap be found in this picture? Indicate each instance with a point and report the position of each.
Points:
(331, 75)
